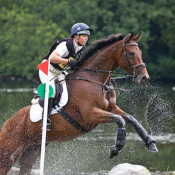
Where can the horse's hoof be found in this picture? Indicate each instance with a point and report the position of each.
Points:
(113, 152)
(152, 147)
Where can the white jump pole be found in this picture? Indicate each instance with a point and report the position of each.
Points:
(43, 144)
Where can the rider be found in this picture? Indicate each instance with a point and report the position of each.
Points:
(64, 54)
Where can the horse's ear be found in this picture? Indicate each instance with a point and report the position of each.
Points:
(129, 38)
(136, 38)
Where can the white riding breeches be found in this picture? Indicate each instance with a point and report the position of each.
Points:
(53, 75)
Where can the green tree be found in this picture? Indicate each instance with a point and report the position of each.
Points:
(29, 28)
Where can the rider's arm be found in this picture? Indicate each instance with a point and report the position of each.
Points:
(58, 54)
(55, 58)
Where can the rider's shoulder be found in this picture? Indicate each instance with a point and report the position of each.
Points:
(62, 49)
(67, 42)
(62, 44)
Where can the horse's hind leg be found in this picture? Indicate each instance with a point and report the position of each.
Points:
(28, 159)
(10, 151)
(149, 142)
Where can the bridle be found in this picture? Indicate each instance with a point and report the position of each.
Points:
(131, 68)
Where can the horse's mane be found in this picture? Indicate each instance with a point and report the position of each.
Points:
(97, 46)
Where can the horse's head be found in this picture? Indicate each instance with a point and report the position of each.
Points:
(131, 59)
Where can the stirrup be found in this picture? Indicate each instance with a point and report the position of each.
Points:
(48, 126)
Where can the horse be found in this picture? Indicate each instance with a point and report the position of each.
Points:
(92, 101)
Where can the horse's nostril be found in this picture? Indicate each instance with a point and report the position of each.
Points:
(144, 79)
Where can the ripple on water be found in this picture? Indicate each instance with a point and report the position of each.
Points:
(163, 137)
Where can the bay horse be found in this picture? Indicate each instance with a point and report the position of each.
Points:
(92, 101)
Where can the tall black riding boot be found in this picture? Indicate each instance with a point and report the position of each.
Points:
(50, 103)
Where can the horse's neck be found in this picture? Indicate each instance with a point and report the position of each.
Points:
(104, 59)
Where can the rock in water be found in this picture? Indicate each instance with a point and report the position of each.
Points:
(129, 169)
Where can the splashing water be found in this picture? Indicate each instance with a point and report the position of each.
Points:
(149, 107)
(160, 113)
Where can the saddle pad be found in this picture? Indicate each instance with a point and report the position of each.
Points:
(36, 112)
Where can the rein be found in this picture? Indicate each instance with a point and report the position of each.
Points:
(103, 71)
(104, 85)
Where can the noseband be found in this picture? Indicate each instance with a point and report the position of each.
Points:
(131, 68)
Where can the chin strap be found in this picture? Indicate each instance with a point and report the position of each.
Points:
(77, 40)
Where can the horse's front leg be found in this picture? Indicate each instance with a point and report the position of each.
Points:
(101, 116)
(149, 142)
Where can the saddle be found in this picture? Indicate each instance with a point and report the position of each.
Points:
(59, 90)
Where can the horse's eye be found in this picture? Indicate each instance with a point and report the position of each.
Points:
(131, 53)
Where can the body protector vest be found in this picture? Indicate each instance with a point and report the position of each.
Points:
(71, 49)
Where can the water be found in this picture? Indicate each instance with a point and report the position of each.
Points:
(153, 106)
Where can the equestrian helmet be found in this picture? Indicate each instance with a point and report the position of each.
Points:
(80, 28)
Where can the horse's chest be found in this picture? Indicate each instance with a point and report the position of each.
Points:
(109, 100)
(104, 102)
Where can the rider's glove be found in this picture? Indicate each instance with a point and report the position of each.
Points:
(71, 62)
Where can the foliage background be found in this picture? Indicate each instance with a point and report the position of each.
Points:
(29, 28)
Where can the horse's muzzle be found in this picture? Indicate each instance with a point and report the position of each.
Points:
(142, 80)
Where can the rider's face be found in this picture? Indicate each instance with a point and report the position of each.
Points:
(82, 39)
